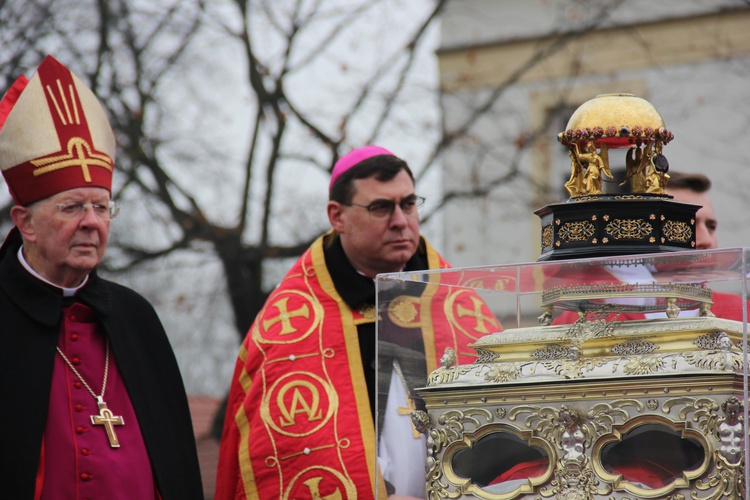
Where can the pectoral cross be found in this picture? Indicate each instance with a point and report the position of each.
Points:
(108, 420)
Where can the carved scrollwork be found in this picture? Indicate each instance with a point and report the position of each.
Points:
(644, 365)
(715, 360)
(603, 416)
(727, 482)
(701, 409)
(454, 423)
(575, 481)
(503, 372)
(583, 329)
(573, 368)
(446, 375)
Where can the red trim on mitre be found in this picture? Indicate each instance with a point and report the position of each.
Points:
(10, 98)
(77, 163)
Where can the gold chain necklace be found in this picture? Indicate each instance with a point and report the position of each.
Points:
(105, 416)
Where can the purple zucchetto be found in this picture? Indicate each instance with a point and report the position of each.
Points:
(354, 158)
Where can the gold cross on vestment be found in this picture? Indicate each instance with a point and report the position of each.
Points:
(108, 420)
(477, 314)
(285, 316)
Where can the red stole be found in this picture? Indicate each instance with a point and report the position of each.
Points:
(298, 422)
(77, 460)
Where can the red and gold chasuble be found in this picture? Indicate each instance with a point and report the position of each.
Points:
(298, 423)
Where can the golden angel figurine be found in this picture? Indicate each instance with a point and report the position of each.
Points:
(593, 165)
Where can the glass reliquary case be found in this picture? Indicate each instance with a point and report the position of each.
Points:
(621, 377)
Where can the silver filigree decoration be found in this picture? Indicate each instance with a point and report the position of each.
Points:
(555, 351)
(713, 340)
(485, 355)
(634, 347)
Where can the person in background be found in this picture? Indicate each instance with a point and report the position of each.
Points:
(300, 420)
(630, 464)
(693, 189)
(92, 404)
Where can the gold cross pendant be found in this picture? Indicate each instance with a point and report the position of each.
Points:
(108, 420)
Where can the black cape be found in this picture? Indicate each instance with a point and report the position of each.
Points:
(30, 321)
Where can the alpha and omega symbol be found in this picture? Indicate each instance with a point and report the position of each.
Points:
(290, 317)
(320, 483)
(304, 401)
(298, 404)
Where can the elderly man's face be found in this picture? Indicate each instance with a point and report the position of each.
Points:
(64, 245)
(377, 245)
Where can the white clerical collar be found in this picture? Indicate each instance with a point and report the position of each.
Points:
(67, 292)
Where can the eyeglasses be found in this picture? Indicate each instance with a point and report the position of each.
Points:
(382, 209)
(76, 210)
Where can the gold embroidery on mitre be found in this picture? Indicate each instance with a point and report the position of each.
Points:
(79, 155)
(404, 311)
(70, 119)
